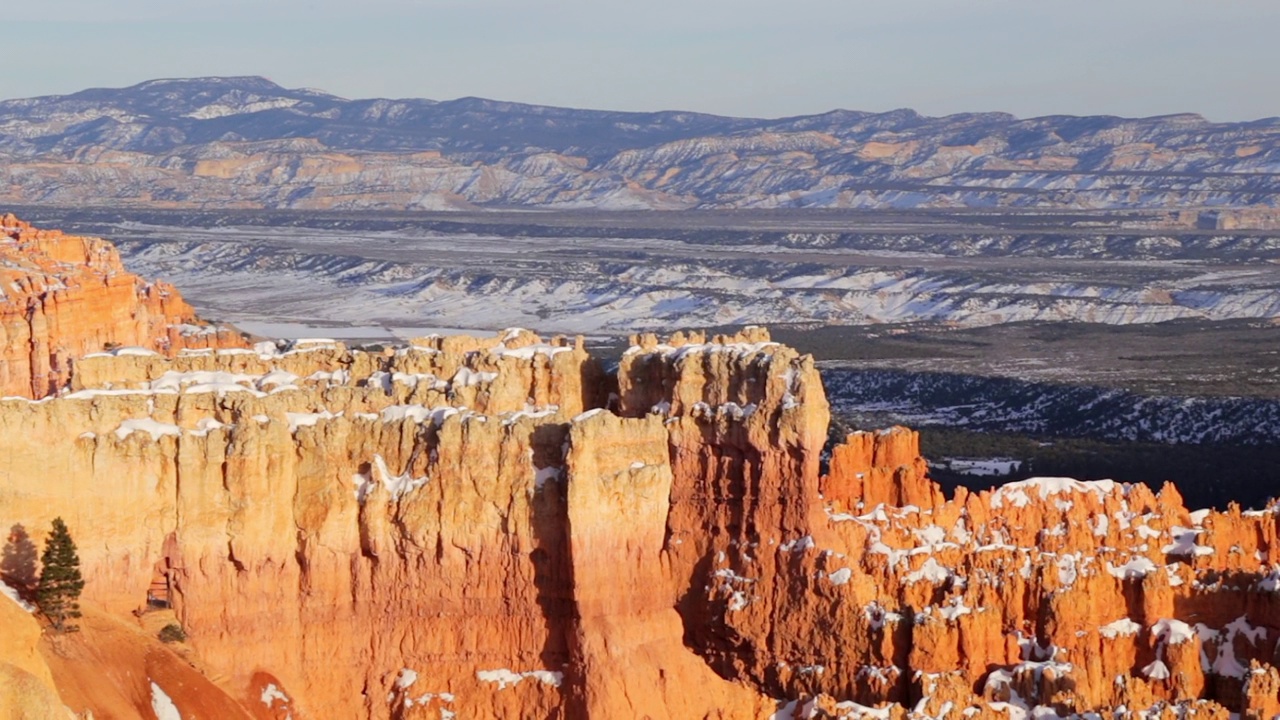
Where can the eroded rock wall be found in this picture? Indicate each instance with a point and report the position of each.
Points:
(330, 523)
(376, 535)
(63, 297)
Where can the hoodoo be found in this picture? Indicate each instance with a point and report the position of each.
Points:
(500, 528)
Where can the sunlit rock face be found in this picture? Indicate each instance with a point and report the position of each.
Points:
(63, 297)
(458, 525)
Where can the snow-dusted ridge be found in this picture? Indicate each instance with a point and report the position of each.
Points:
(423, 154)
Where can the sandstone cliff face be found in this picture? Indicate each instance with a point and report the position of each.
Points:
(415, 508)
(63, 297)
(478, 528)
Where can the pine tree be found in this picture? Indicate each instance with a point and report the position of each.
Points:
(58, 591)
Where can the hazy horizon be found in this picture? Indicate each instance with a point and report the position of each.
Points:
(610, 109)
(744, 58)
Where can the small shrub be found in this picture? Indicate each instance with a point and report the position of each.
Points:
(173, 633)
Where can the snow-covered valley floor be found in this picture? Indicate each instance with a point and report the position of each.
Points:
(392, 281)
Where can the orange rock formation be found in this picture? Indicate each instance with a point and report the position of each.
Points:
(63, 297)
(498, 528)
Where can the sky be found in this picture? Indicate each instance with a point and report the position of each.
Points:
(762, 58)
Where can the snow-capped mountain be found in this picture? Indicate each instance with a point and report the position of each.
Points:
(247, 142)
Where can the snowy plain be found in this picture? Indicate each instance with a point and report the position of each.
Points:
(388, 284)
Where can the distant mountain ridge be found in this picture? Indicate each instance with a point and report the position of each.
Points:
(199, 110)
(248, 142)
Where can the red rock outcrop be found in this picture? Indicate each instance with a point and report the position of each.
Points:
(63, 297)
(870, 469)
(480, 528)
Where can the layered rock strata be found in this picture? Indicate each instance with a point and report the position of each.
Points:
(499, 528)
(63, 297)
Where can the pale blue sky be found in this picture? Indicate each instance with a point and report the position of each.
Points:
(1220, 58)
